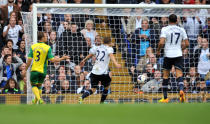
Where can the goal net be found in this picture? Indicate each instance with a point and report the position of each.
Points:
(73, 29)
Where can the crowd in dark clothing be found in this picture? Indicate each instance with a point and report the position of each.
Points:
(136, 38)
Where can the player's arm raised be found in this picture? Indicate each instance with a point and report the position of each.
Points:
(160, 45)
(82, 63)
(114, 60)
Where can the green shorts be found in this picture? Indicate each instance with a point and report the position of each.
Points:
(37, 77)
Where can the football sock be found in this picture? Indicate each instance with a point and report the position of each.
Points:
(165, 88)
(40, 89)
(36, 92)
(87, 93)
(104, 95)
(181, 84)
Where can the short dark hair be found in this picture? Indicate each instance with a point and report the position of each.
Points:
(40, 35)
(9, 40)
(107, 40)
(6, 56)
(173, 18)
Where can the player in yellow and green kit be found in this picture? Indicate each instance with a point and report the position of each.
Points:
(40, 53)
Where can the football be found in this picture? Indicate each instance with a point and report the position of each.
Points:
(141, 78)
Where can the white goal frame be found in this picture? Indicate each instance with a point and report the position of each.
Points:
(104, 7)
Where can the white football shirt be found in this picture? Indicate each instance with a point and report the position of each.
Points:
(174, 36)
(101, 65)
(13, 34)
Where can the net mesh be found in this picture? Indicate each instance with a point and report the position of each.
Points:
(137, 81)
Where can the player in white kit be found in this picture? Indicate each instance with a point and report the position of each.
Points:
(175, 40)
(100, 69)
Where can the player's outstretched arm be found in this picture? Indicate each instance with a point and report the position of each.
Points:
(160, 45)
(114, 60)
(82, 63)
(59, 59)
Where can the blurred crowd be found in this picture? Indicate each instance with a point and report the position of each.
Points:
(136, 38)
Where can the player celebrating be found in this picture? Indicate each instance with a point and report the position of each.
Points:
(175, 39)
(40, 53)
(99, 71)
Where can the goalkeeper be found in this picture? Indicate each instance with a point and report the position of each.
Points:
(40, 53)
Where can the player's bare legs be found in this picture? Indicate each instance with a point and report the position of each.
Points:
(166, 74)
(179, 79)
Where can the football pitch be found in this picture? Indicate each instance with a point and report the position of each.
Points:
(189, 113)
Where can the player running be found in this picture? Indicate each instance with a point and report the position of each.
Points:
(100, 71)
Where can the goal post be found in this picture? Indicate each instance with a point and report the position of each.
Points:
(110, 22)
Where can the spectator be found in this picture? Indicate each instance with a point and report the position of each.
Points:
(193, 79)
(206, 28)
(144, 37)
(153, 85)
(8, 69)
(5, 51)
(47, 24)
(88, 31)
(186, 59)
(19, 72)
(88, 42)
(11, 31)
(49, 88)
(149, 71)
(11, 87)
(77, 46)
(187, 88)
(85, 87)
(23, 4)
(61, 75)
(63, 41)
(53, 67)
(53, 42)
(202, 58)
(7, 9)
(9, 44)
(198, 46)
(144, 60)
(20, 52)
(135, 22)
(193, 27)
(3, 2)
(64, 87)
(63, 26)
(23, 85)
(147, 2)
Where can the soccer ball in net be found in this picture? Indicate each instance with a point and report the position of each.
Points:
(141, 78)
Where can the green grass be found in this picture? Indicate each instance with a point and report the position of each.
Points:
(196, 113)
